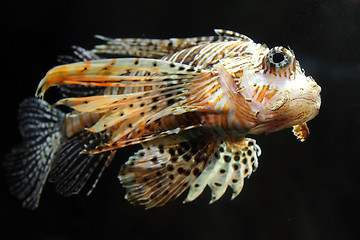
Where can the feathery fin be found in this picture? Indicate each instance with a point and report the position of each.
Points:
(115, 73)
(72, 168)
(230, 165)
(157, 48)
(28, 165)
(160, 173)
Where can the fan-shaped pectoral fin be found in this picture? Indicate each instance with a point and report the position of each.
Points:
(230, 165)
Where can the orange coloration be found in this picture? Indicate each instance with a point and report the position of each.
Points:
(262, 93)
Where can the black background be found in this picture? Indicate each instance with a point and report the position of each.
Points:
(301, 190)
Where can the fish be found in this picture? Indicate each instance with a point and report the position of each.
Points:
(190, 104)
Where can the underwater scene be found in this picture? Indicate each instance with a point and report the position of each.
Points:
(183, 120)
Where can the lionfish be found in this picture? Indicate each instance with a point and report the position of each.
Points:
(189, 102)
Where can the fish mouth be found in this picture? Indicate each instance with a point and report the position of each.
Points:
(304, 107)
(295, 111)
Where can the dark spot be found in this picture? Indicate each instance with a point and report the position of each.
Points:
(237, 158)
(158, 173)
(139, 97)
(187, 157)
(180, 170)
(173, 159)
(172, 65)
(216, 155)
(166, 192)
(190, 69)
(221, 149)
(155, 99)
(171, 151)
(136, 62)
(180, 151)
(252, 160)
(234, 180)
(142, 104)
(198, 159)
(130, 125)
(181, 68)
(104, 125)
(153, 196)
(142, 113)
(154, 64)
(187, 172)
(250, 144)
(246, 170)
(196, 185)
(170, 167)
(222, 171)
(159, 185)
(141, 154)
(235, 167)
(170, 102)
(185, 184)
(196, 172)
(171, 177)
(249, 152)
(227, 158)
(217, 184)
(154, 159)
(244, 161)
(170, 44)
(131, 105)
(161, 148)
(86, 102)
(154, 107)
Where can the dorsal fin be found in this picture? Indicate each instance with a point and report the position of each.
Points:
(157, 48)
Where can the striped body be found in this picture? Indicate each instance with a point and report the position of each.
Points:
(204, 56)
(189, 102)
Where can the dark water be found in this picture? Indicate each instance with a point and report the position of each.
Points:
(301, 190)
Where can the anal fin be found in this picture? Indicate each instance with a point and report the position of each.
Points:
(72, 168)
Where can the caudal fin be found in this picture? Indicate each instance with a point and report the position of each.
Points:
(28, 165)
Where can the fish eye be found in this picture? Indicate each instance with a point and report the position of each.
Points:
(279, 58)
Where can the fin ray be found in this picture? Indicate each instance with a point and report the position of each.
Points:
(160, 173)
(72, 168)
(230, 165)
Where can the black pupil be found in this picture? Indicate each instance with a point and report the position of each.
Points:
(278, 57)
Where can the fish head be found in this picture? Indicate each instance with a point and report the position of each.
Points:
(278, 91)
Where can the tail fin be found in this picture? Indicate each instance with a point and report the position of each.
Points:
(28, 165)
